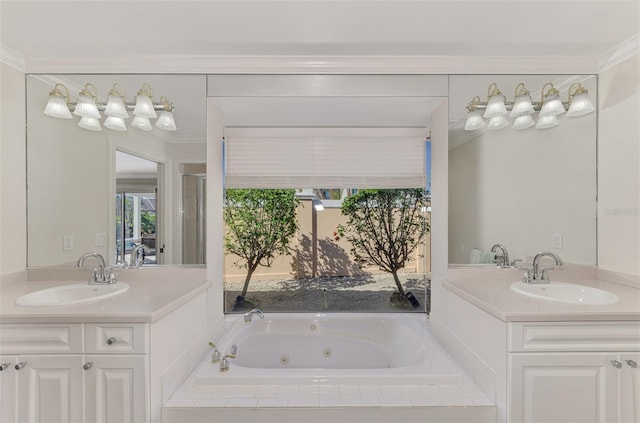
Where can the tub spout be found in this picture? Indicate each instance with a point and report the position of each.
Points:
(225, 363)
(249, 315)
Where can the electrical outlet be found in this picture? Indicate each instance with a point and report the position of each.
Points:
(557, 240)
(67, 242)
(100, 239)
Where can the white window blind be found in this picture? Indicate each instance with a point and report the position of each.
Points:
(325, 162)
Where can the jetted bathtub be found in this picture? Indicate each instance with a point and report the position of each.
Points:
(333, 349)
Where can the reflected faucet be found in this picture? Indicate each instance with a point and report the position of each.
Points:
(538, 274)
(137, 256)
(101, 274)
(249, 315)
(502, 260)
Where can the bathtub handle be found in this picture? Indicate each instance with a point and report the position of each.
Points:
(215, 355)
(233, 353)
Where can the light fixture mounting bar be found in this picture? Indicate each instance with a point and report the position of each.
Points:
(509, 105)
(161, 107)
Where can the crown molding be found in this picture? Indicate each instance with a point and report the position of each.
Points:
(623, 51)
(316, 64)
(12, 58)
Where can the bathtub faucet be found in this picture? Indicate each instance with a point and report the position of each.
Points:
(216, 356)
(225, 363)
(248, 316)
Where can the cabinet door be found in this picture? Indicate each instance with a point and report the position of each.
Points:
(630, 388)
(50, 389)
(563, 388)
(8, 387)
(116, 389)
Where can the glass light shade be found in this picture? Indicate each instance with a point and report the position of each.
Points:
(552, 106)
(523, 122)
(498, 122)
(90, 124)
(115, 123)
(580, 105)
(144, 107)
(474, 121)
(166, 121)
(522, 106)
(86, 107)
(495, 107)
(57, 107)
(546, 122)
(141, 123)
(116, 107)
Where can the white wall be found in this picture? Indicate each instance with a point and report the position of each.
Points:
(618, 168)
(13, 217)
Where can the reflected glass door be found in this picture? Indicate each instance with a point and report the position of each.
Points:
(136, 218)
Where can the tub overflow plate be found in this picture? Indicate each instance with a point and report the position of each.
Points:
(284, 360)
(327, 352)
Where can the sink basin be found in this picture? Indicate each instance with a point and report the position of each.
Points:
(76, 293)
(563, 292)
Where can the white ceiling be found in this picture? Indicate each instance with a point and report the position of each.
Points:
(515, 28)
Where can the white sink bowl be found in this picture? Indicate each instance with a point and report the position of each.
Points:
(76, 293)
(568, 293)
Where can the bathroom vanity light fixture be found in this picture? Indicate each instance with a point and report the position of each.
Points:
(521, 109)
(116, 109)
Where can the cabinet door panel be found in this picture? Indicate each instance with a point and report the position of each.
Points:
(116, 389)
(630, 388)
(50, 389)
(563, 388)
(8, 387)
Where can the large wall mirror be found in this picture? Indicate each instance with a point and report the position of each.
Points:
(109, 187)
(527, 189)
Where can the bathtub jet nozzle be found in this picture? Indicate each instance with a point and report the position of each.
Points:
(249, 315)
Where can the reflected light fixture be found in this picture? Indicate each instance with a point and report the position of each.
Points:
(580, 102)
(165, 120)
(522, 108)
(116, 109)
(86, 106)
(474, 118)
(57, 105)
(495, 103)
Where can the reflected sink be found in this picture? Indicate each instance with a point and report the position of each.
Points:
(568, 293)
(76, 293)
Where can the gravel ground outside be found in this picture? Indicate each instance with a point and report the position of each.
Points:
(368, 293)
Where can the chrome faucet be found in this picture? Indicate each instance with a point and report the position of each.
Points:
(502, 260)
(137, 256)
(538, 274)
(101, 274)
(225, 363)
(216, 356)
(249, 315)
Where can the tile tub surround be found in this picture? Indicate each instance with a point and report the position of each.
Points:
(460, 400)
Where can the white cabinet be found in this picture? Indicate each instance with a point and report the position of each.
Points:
(630, 388)
(50, 388)
(74, 373)
(563, 388)
(8, 386)
(116, 388)
(583, 372)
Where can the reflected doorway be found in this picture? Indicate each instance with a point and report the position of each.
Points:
(194, 189)
(137, 208)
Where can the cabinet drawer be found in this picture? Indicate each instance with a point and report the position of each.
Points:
(116, 338)
(40, 338)
(574, 336)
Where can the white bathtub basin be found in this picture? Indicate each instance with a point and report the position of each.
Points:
(76, 293)
(568, 293)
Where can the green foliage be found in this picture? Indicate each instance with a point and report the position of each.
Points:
(148, 222)
(260, 224)
(385, 226)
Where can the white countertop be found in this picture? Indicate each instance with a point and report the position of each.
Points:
(496, 297)
(147, 300)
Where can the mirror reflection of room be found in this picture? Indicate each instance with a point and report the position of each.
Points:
(79, 197)
(516, 189)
